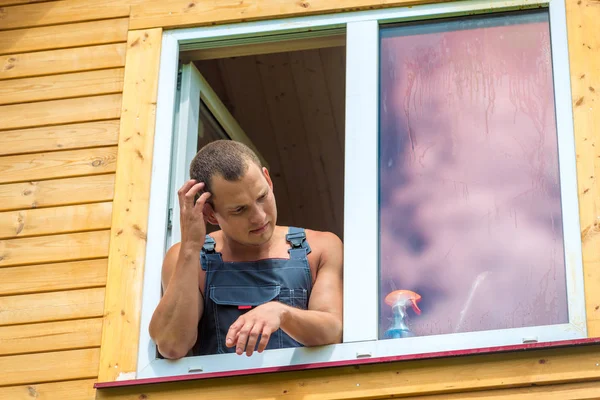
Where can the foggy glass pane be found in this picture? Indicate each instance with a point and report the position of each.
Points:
(470, 208)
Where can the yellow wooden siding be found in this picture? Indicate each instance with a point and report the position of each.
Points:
(47, 221)
(4, 3)
(59, 137)
(52, 248)
(132, 187)
(56, 192)
(66, 390)
(63, 36)
(78, 84)
(61, 79)
(58, 164)
(50, 336)
(52, 277)
(60, 61)
(70, 364)
(584, 54)
(183, 13)
(51, 306)
(62, 12)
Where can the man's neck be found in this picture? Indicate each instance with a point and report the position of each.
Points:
(240, 251)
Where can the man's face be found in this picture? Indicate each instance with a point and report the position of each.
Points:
(245, 209)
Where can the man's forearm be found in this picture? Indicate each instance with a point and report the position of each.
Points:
(175, 321)
(311, 327)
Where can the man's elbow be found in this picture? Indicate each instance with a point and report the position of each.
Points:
(172, 350)
(337, 331)
(332, 334)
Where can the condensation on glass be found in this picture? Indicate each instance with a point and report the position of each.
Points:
(470, 207)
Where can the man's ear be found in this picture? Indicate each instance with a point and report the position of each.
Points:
(209, 214)
(267, 177)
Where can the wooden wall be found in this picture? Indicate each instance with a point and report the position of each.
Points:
(291, 105)
(61, 80)
(63, 291)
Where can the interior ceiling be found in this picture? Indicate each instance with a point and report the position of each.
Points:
(291, 105)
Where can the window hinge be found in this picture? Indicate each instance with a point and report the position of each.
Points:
(170, 220)
(179, 73)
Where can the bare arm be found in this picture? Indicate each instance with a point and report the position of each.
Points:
(174, 324)
(319, 325)
(322, 322)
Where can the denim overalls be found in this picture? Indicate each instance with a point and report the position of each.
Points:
(233, 288)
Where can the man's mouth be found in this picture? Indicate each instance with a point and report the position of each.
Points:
(261, 229)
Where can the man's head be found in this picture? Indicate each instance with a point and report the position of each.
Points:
(242, 201)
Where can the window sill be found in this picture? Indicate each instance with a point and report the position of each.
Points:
(364, 361)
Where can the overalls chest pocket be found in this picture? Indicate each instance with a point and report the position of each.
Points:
(230, 302)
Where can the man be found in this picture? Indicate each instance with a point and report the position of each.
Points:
(252, 284)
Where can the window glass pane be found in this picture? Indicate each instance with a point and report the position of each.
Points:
(470, 208)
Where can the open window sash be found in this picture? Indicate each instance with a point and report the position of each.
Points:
(199, 108)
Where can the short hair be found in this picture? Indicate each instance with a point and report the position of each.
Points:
(226, 158)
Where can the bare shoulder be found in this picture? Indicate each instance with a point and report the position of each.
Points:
(326, 245)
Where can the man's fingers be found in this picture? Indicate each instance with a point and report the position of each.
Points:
(253, 338)
(264, 338)
(188, 198)
(234, 332)
(201, 200)
(184, 189)
(243, 337)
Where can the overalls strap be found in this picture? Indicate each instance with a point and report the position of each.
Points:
(209, 253)
(296, 237)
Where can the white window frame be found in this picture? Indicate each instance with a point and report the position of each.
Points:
(361, 269)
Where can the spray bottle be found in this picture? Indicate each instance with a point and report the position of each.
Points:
(399, 300)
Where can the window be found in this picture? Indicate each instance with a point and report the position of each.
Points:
(460, 211)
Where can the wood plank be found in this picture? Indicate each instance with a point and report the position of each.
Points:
(130, 207)
(64, 12)
(584, 61)
(32, 368)
(82, 389)
(50, 336)
(52, 306)
(334, 61)
(56, 112)
(253, 49)
(62, 61)
(47, 221)
(242, 81)
(54, 248)
(58, 164)
(570, 391)
(180, 13)
(382, 381)
(63, 86)
(59, 137)
(57, 192)
(322, 139)
(6, 3)
(64, 36)
(286, 120)
(53, 277)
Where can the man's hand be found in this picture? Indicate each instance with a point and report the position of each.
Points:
(263, 320)
(191, 217)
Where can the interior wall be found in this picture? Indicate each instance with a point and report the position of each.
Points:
(291, 105)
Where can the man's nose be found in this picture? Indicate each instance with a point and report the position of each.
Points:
(258, 216)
